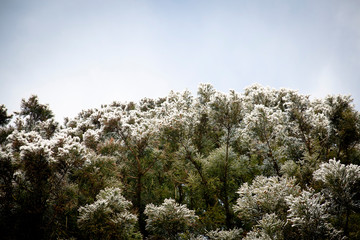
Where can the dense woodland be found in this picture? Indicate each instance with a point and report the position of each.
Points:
(261, 164)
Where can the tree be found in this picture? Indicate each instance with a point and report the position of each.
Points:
(266, 195)
(4, 117)
(226, 115)
(224, 167)
(108, 217)
(340, 187)
(345, 127)
(32, 172)
(264, 129)
(169, 220)
(270, 227)
(34, 116)
(308, 213)
(134, 132)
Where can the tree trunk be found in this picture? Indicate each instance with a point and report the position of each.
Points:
(225, 185)
(346, 227)
(139, 206)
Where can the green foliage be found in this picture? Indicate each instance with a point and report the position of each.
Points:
(4, 117)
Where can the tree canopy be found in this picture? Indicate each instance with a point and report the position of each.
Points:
(262, 164)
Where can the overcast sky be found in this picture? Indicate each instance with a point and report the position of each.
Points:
(79, 54)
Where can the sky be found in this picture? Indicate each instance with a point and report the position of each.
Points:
(79, 54)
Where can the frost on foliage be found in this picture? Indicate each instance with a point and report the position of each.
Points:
(91, 138)
(264, 129)
(308, 118)
(263, 118)
(65, 148)
(218, 234)
(340, 181)
(226, 113)
(178, 114)
(169, 219)
(265, 195)
(132, 125)
(257, 234)
(108, 216)
(308, 212)
(269, 227)
(27, 142)
(259, 95)
(205, 93)
(60, 146)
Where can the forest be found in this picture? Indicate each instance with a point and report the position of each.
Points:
(261, 164)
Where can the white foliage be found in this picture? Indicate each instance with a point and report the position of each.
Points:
(269, 227)
(257, 234)
(218, 234)
(339, 180)
(308, 212)
(264, 195)
(169, 217)
(29, 142)
(112, 207)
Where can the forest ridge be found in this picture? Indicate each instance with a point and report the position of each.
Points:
(262, 164)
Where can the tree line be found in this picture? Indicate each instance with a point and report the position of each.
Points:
(261, 164)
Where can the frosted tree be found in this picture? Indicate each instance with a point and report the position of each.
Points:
(259, 95)
(206, 134)
(307, 133)
(345, 127)
(134, 133)
(35, 116)
(309, 214)
(307, 120)
(109, 217)
(340, 185)
(177, 129)
(265, 195)
(169, 220)
(224, 167)
(270, 227)
(264, 129)
(226, 114)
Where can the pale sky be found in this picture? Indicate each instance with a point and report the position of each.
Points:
(79, 54)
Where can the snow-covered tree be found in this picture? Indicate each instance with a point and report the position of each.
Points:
(265, 195)
(196, 150)
(340, 184)
(270, 227)
(108, 217)
(169, 219)
(226, 114)
(264, 130)
(309, 214)
(344, 127)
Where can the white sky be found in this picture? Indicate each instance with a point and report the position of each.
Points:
(79, 54)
